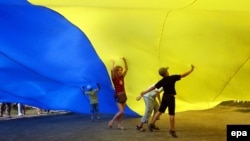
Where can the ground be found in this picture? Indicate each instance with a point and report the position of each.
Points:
(203, 125)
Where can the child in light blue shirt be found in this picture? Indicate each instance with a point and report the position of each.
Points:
(93, 98)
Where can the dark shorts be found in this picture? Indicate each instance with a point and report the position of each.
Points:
(168, 102)
(121, 97)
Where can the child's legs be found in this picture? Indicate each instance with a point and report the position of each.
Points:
(92, 107)
(171, 111)
(96, 110)
(120, 112)
(162, 108)
(156, 107)
(121, 116)
(148, 110)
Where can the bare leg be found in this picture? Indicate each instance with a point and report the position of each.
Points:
(120, 126)
(151, 126)
(172, 126)
(156, 116)
(172, 122)
(118, 114)
(140, 125)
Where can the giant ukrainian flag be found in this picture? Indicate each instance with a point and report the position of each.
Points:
(49, 49)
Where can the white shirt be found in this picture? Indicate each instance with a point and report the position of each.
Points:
(152, 94)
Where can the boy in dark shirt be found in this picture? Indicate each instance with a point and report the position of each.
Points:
(168, 98)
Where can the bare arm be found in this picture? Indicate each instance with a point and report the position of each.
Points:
(188, 72)
(125, 67)
(148, 90)
(144, 92)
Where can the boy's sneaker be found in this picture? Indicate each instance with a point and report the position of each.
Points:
(151, 127)
(173, 133)
(156, 128)
(140, 128)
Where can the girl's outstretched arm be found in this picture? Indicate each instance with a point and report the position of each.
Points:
(125, 66)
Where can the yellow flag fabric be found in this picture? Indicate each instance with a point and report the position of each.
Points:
(213, 35)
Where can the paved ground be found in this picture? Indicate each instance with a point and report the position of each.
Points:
(205, 125)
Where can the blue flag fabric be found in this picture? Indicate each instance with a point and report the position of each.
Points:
(45, 60)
